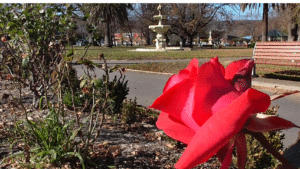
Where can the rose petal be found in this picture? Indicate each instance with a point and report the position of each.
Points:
(190, 100)
(238, 73)
(241, 147)
(209, 87)
(178, 101)
(189, 72)
(263, 123)
(221, 127)
(174, 128)
(216, 62)
(240, 67)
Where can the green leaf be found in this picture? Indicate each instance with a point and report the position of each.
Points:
(83, 83)
(74, 133)
(85, 62)
(70, 53)
(41, 101)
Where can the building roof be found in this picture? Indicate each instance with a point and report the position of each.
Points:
(247, 37)
(275, 33)
(232, 37)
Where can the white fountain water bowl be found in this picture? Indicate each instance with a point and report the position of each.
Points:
(160, 28)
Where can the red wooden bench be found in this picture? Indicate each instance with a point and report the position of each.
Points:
(276, 53)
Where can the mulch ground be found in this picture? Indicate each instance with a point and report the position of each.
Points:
(140, 145)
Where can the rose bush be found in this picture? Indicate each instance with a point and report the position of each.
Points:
(211, 108)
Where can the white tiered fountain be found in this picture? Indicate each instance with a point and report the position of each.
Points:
(160, 30)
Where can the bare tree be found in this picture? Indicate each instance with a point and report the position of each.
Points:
(143, 18)
(190, 19)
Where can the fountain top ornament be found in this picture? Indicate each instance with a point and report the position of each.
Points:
(160, 28)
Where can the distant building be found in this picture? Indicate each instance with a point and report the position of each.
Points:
(275, 35)
(125, 39)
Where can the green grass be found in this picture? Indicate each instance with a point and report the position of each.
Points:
(123, 53)
(170, 67)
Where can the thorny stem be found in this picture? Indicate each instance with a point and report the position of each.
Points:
(265, 143)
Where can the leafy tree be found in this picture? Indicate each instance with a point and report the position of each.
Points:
(38, 33)
(107, 14)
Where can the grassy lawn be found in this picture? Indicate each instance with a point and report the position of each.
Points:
(269, 71)
(124, 53)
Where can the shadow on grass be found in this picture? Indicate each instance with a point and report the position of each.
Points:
(293, 75)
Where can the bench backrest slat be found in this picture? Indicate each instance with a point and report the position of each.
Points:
(289, 51)
(277, 50)
(277, 54)
(278, 43)
(277, 58)
(279, 47)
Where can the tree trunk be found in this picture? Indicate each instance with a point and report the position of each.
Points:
(148, 39)
(293, 31)
(265, 22)
(198, 40)
(191, 41)
(90, 37)
(167, 40)
(107, 38)
(183, 41)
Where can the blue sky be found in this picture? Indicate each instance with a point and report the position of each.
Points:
(251, 14)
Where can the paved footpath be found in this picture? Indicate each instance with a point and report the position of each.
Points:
(147, 86)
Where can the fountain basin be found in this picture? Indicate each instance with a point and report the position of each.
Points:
(160, 28)
(160, 17)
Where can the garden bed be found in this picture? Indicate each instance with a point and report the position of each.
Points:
(120, 145)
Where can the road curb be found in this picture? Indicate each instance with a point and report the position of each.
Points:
(275, 85)
(143, 71)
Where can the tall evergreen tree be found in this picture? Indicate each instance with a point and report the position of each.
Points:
(266, 6)
(107, 14)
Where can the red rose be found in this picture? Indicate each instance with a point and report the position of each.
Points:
(207, 108)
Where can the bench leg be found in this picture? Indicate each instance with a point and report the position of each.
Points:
(254, 71)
